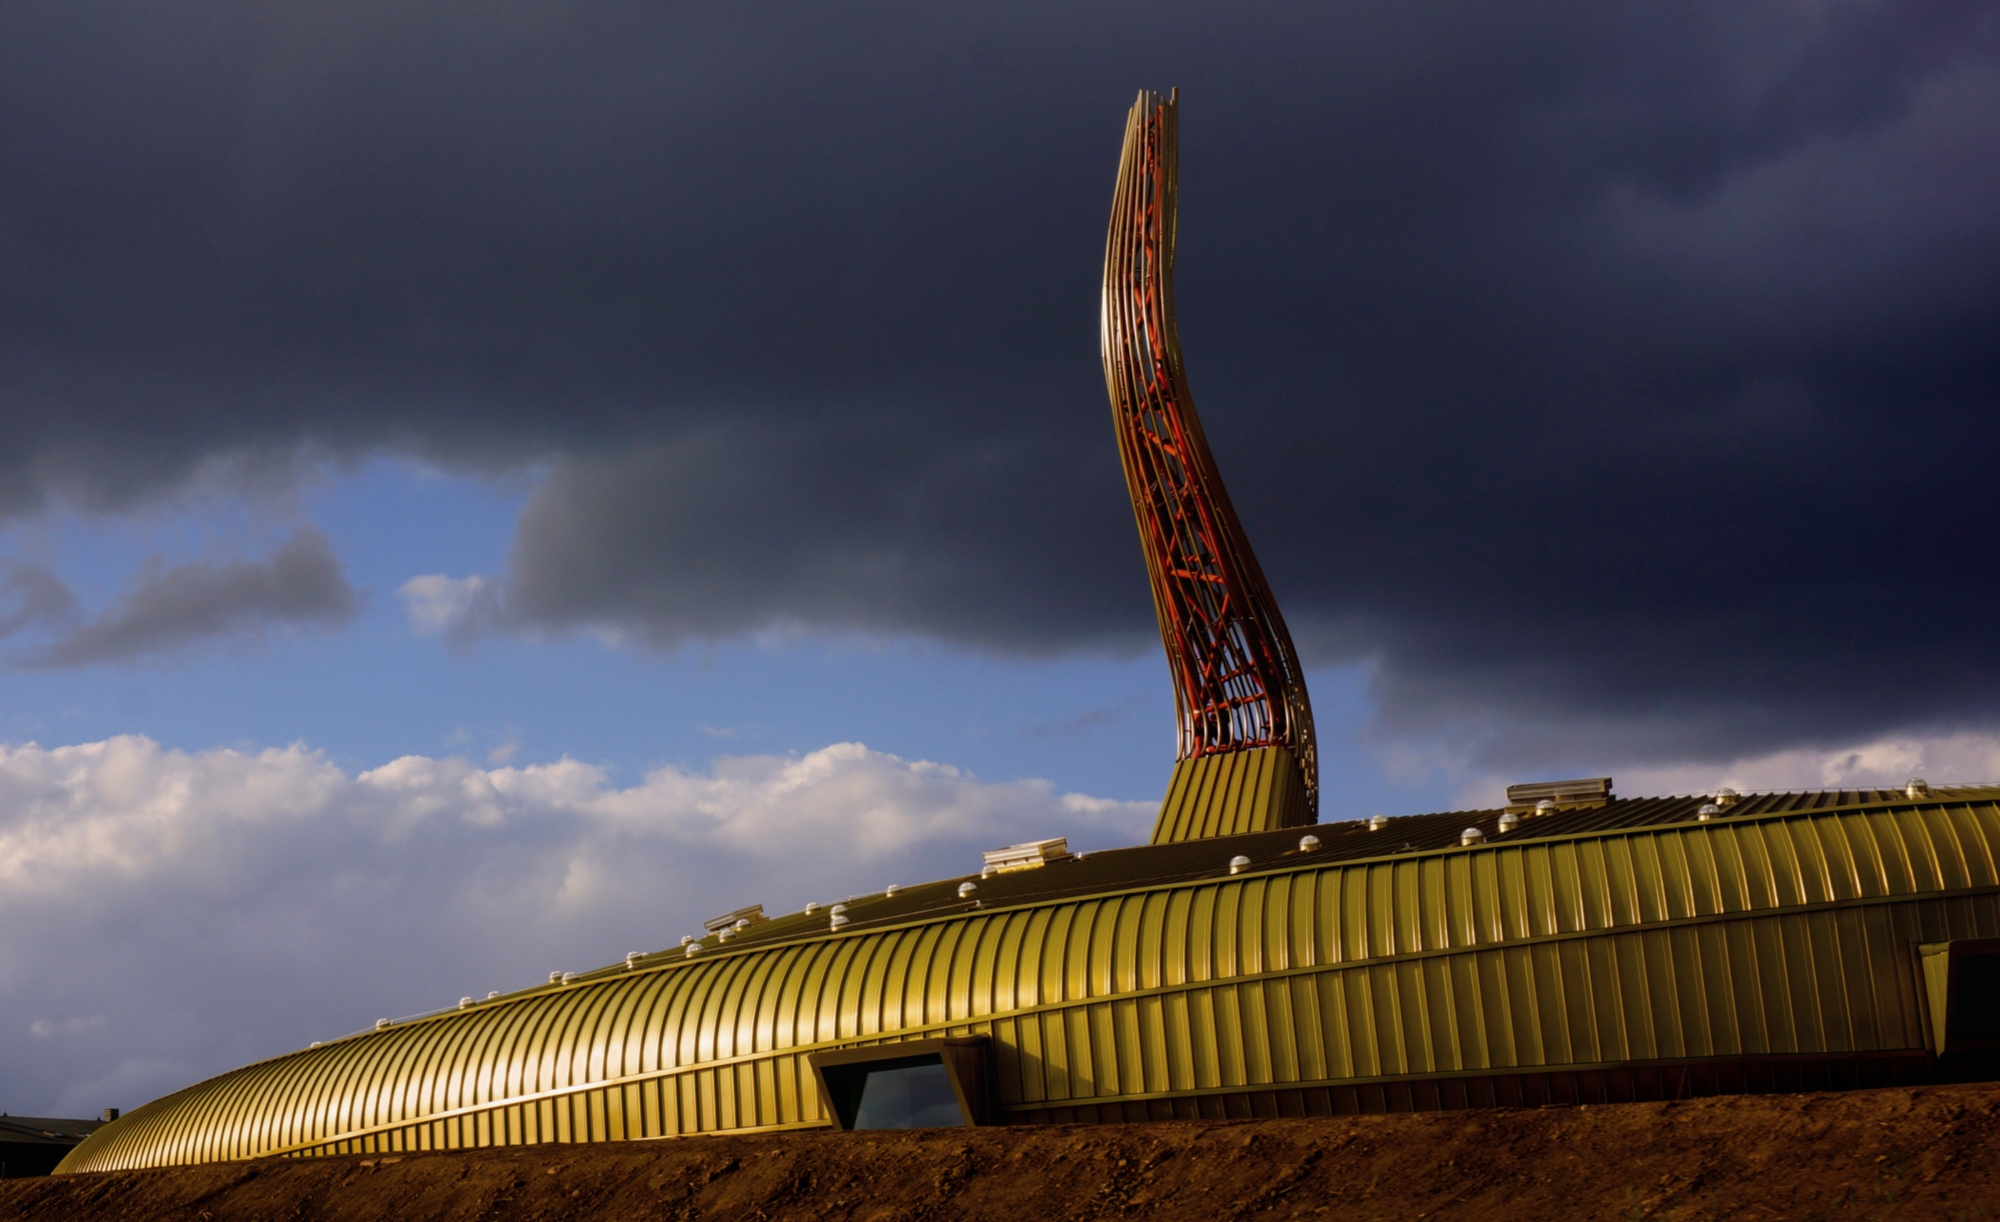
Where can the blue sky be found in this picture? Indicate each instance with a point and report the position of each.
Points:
(168, 935)
(376, 688)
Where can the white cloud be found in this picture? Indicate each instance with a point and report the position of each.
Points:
(456, 608)
(1942, 759)
(1884, 762)
(185, 912)
(44, 1028)
(206, 908)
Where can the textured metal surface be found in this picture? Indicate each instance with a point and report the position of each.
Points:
(1232, 794)
(1760, 940)
(1187, 861)
(1237, 680)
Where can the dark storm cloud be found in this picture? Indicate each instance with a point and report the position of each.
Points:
(301, 584)
(1594, 369)
(863, 525)
(31, 594)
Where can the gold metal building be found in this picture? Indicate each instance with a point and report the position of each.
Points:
(1573, 945)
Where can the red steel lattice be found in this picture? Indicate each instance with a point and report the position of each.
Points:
(1237, 681)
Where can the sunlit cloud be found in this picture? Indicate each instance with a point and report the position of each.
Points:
(197, 909)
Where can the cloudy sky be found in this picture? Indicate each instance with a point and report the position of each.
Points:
(484, 486)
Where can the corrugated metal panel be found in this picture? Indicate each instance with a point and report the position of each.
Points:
(1772, 937)
(1232, 794)
(1193, 860)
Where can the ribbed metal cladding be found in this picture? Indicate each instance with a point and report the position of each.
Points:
(1231, 794)
(1296, 989)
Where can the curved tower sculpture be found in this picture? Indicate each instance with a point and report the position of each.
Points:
(1246, 759)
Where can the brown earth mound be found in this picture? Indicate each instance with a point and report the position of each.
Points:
(1919, 1153)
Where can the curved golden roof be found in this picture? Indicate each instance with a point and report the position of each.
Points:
(1372, 972)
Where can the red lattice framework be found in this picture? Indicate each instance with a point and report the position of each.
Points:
(1237, 682)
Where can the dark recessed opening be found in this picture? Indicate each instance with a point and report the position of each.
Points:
(913, 1093)
(1974, 1020)
(921, 1084)
(1963, 980)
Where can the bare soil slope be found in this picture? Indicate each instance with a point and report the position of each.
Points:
(1932, 1152)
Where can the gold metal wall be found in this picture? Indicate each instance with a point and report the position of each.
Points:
(1233, 793)
(1767, 936)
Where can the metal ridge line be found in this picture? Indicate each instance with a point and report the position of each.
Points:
(609, 973)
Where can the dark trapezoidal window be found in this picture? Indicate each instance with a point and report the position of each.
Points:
(918, 1084)
(1962, 981)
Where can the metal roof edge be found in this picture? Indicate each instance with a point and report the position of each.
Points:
(619, 971)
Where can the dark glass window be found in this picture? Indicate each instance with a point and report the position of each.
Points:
(1975, 1000)
(894, 1093)
(909, 1097)
(1962, 978)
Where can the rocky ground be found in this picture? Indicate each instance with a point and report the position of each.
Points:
(1932, 1152)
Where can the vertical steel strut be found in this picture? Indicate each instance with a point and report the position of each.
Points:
(1237, 681)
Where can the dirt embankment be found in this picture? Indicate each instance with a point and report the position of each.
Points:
(1906, 1154)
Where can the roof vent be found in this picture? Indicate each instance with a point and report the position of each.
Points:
(1308, 843)
(383, 1024)
(465, 1003)
(1726, 797)
(693, 949)
(493, 994)
(1471, 835)
(740, 918)
(1238, 864)
(838, 909)
(1508, 822)
(812, 906)
(555, 977)
(632, 959)
(723, 935)
(1917, 787)
(1026, 856)
(967, 888)
(839, 919)
(1377, 822)
(315, 1043)
(1559, 795)
(569, 978)
(1709, 810)
(891, 889)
